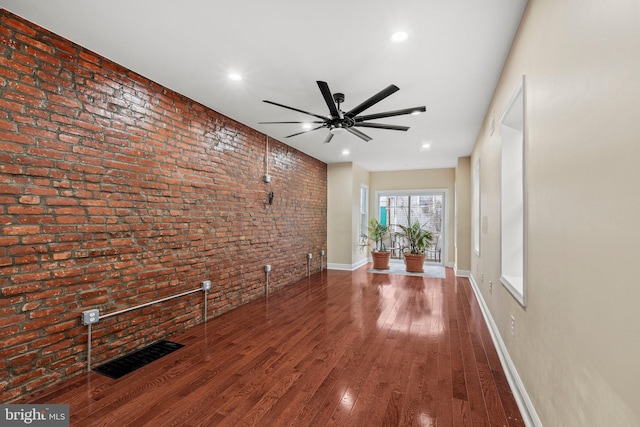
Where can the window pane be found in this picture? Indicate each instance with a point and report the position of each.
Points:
(428, 211)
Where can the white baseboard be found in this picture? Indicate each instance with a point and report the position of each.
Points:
(461, 273)
(347, 267)
(529, 414)
(332, 266)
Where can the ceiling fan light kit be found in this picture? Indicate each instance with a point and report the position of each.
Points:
(339, 121)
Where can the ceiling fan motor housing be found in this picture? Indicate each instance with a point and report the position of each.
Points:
(344, 122)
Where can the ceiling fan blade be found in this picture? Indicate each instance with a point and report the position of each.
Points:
(304, 131)
(296, 109)
(273, 123)
(328, 98)
(359, 134)
(382, 126)
(328, 138)
(390, 114)
(373, 100)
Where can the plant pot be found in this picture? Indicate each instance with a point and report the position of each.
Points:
(381, 259)
(414, 263)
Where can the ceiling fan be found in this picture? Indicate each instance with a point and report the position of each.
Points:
(339, 121)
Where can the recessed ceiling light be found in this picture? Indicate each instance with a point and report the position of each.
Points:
(399, 37)
(426, 145)
(306, 126)
(235, 77)
(345, 152)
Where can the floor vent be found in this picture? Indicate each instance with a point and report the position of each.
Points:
(126, 364)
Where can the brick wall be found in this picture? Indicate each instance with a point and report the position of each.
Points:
(115, 191)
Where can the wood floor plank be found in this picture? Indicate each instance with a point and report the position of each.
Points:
(413, 411)
(368, 397)
(476, 401)
(348, 385)
(461, 413)
(302, 393)
(444, 396)
(338, 348)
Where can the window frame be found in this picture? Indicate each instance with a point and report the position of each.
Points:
(364, 210)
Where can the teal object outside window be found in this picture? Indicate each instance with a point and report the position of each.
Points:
(383, 215)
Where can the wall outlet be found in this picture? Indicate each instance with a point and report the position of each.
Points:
(90, 317)
(490, 286)
(206, 285)
(309, 255)
(481, 278)
(513, 326)
(267, 268)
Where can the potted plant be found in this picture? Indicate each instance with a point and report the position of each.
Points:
(417, 240)
(375, 238)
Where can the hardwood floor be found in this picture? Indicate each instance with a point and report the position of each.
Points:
(340, 348)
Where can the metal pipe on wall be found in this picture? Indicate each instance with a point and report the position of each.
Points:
(89, 317)
(267, 270)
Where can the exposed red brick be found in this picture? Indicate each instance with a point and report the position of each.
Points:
(8, 241)
(115, 191)
(21, 289)
(20, 230)
(25, 210)
(60, 327)
(23, 358)
(10, 320)
(43, 380)
(29, 200)
(30, 306)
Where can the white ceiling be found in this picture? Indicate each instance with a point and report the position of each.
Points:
(451, 63)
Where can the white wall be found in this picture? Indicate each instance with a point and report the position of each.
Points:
(577, 343)
(343, 208)
(462, 219)
(339, 213)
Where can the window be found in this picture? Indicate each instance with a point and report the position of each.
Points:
(364, 209)
(426, 207)
(512, 193)
(475, 208)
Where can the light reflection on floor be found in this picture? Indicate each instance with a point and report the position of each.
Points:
(425, 308)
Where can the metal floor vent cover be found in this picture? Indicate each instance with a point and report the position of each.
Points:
(126, 364)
